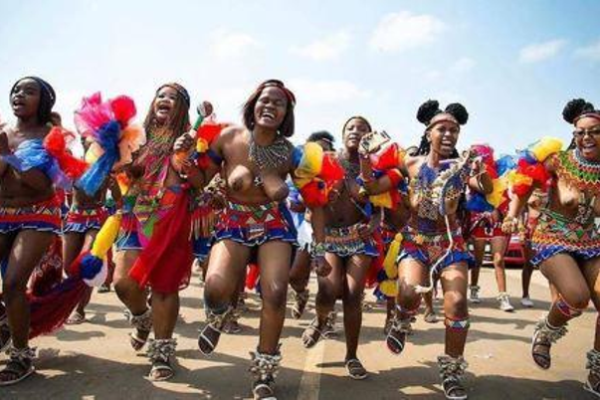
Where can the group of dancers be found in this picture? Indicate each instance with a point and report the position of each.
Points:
(372, 213)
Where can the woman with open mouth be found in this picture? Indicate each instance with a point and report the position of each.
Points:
(255, 224)
(349, 249)
(153, 248)
(433, 243)
(29, 215)
(565, 240)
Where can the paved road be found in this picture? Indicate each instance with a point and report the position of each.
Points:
(94, 360)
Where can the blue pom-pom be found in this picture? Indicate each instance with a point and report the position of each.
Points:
(505, 164)
(478, 203)
(90, 266)
(529, 157)
(297, 155)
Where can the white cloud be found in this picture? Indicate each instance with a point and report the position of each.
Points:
(312, 92)
(227, 45)
(541, 51)
(591, 52)
(402, 31)
(327, 48)
(464, 64)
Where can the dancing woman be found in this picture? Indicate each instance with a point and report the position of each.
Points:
(29, 212)
(565, 240)
(255, 225)
(153, 247)
(349, 250)
(432, 240)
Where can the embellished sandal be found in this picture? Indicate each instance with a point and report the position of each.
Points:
(160, 352)
(329, 330)
(451, 371)
(232, 326)
(19, 366)
(312, 334)
(209, 336)
(355, 369)
(300, 302)
(5, 336)
(265, 368)
(143, 326)
(396, 337)
(592, 383)
(541, 343)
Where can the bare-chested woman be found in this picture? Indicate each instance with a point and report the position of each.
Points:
(350, 249)
(565, 240)
(255, 224)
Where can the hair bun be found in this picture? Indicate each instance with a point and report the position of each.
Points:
(427, 111)
(575, 108)
(459, 112)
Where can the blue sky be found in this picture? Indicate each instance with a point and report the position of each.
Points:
(513, 64)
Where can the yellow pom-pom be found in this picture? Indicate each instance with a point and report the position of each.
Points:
(106, 236)
(311, 162)
(389, 263)
(545, 147)
(389, 288)
(201, 145)
(93, 153)
(382, 200)
(515, 179)
(496, 197)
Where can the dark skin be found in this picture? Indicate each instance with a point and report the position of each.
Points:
(75, 243)
(347, 276)
(23, 249)
(165, 306)
(576, 281)
(443, 137)
(228, 259)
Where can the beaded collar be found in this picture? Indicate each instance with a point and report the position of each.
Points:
(271, 157)
(577, 171)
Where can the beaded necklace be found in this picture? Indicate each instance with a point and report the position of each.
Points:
(272, 156)
(577, 171)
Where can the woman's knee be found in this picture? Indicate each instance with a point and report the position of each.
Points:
(456, 306)
(275, 298)
(574, 302)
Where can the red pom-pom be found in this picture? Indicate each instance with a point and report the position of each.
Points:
(314, 194)
(388, 158)
(395, 177)
(209, 131)
(123, 109)
(56, 145)
(331, 171)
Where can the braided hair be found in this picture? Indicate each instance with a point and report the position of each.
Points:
(428, 111)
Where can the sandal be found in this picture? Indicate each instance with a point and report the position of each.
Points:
(19, 367)
(541, 343)
(396, 337)
(76, 318)
(104, 288)
(160, 352)
(355, 369)
(265, 368)
(300, 302)
(329, 330)
(452, 369)
(312, 334)
(208, 339)
(5, 336)
(209, 336)
(143, 325)
(592, 384)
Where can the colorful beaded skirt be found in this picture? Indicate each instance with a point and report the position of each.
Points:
(255, 224)
(555, 234)
(346, 242)
(43, 216)
(82, 220)
(428, 248)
